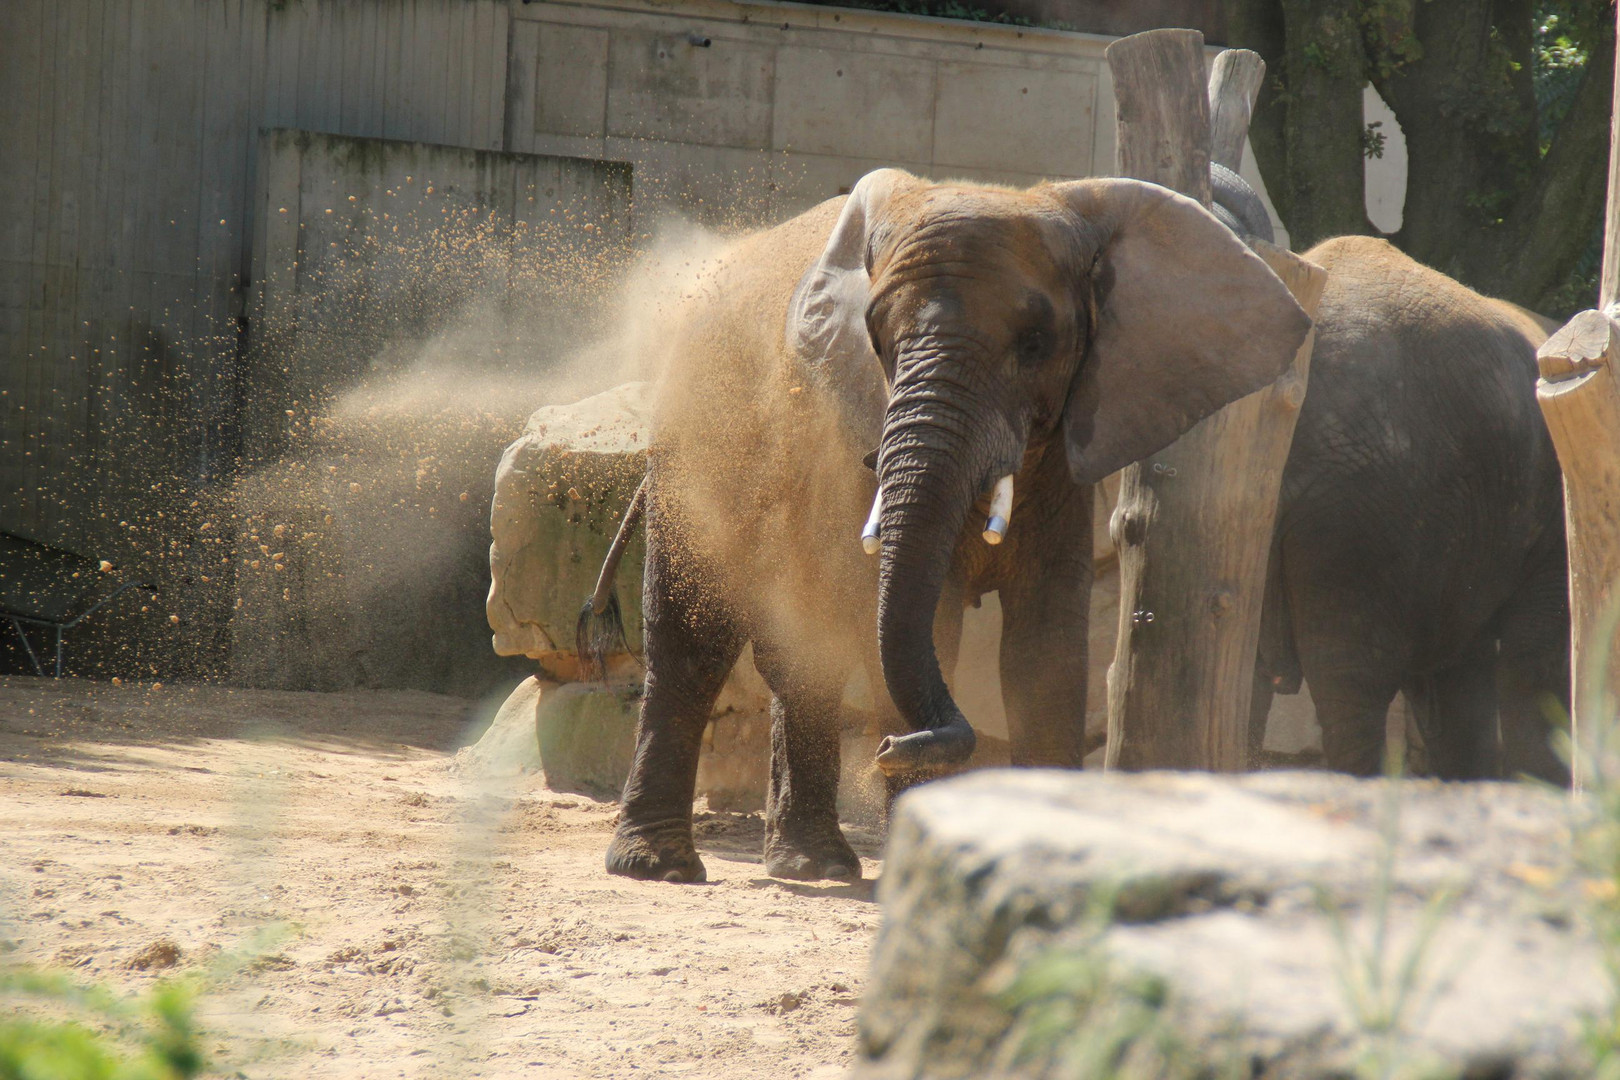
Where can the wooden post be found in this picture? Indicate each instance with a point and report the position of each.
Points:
(1193, 523)
(1163, 110)
(1580, 398)
(1234, 83)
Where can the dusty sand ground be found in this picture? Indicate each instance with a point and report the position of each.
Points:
(402, 920)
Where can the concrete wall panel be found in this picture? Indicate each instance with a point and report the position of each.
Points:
(990, 117)
(836, 101)
(571, 92)
(661, 86)
(803, 180)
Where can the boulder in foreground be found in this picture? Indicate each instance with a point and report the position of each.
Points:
(1047, 924)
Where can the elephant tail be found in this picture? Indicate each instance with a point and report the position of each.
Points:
(601, 621)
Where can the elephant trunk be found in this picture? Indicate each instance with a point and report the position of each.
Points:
(932, 469)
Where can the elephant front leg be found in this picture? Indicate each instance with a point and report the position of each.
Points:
(803, 840)
(1045, 616)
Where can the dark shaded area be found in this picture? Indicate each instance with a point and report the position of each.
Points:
(1505, 108)
(1115, 18)
(97, 726)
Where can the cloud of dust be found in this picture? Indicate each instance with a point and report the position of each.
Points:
(364, 546)
(572, 337)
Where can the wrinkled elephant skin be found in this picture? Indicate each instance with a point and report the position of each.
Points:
(968, 334)
(1420, 533)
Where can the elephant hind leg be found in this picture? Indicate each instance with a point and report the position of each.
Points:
(692, 642)
(1456, 713)
(1351, 711)
(1534, 694)
(802, 838)
(1532, 676)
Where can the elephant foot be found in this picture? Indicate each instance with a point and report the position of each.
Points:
(660, 852)
(810, 852)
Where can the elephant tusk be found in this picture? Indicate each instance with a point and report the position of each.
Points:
(995, 530)
(869, 535)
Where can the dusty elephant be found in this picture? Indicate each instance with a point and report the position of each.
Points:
(1420, 531)
(968, 334)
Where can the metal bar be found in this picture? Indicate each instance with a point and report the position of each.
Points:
(16, 624)
(70, 624)
(62, 627)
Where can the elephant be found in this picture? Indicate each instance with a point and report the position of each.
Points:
(981, 356)
(1419, 543)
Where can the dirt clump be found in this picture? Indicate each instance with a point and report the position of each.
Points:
(161, 954)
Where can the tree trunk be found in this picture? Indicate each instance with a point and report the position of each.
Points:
(1193, 524)
(1257, 25)
(1234, 81)
(1530, 255)
(1163, 110)
(1469, 121)
(1580, 397)
(1326, 175)
(1483, 203)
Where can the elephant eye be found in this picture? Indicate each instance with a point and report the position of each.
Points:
(1031, 348)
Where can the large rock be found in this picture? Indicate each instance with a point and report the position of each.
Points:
(510, 745)
(560, 493)
(587, 735)
(995, 958)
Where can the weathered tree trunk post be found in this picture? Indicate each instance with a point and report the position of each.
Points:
(1193, 523)
(1580, 398)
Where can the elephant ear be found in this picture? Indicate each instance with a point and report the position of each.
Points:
(1187, 319)
(826, 318)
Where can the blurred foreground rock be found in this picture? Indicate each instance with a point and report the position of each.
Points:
(994, 958)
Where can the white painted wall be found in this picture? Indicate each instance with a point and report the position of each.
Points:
(1386, 176)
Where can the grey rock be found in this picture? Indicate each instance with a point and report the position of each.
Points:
(1221, 953)
(511, 744)
(560, 493)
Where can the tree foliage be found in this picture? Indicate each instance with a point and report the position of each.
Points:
(1505, 108)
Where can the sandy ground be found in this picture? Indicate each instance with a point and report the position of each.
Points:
(397, 918)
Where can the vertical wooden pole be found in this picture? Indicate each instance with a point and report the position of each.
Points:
(1580, 398)
(1193, 523)
(1163, 110)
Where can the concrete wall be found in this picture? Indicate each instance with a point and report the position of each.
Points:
(737, 113)
(396, 303)
(131, 161)
(1386, 174)
(130, 129)
(787, 105)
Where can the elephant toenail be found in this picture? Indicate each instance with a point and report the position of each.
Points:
(840, 873)
(675, 876)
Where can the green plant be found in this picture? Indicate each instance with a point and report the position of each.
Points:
(1384, 986)
(77, 1032)
(1592, 755)
(1082, 1014)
